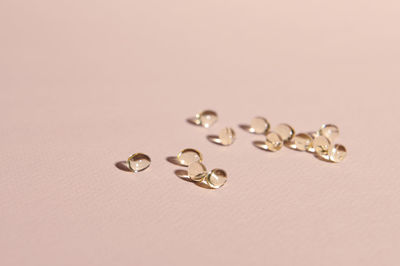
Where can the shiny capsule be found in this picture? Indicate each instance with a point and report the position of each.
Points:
(329, 131)
(285, 131)
(189, 156)
(321, 145)
(216, 178)
(302, 142)
(138, 162)
(206, 118)
(197, 171)
(273, 141)
(337, 153)
(259, 125)
(227, 136)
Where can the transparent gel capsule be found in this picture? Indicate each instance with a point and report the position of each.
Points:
(206, 118)
(197, 171)
(337, 153)
(216, 178)
(321, 145)
(273, 141)
(302, 142)
(189, 156)
(285, 131)
(259, 125)
(227, 136)
(330, 131)
(138, 162)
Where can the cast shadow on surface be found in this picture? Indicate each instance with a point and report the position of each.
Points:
(122, 165)
(214, 139)
(183, 174)
(261, 145)
(173, 160)
(246, 128)
(192, 121)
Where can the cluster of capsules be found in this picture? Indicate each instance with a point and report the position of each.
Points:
(197, 171)
(320, 142)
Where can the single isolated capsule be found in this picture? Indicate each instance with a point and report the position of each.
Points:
(197, 171)
(138, 162)
(227, 136)
(216, 178)
(273, 141)
(206, 118)
(302, 142)
(321, 145)
(259, 125)
(189, 156)
(285, 131)
(329, 131)
(337, 153)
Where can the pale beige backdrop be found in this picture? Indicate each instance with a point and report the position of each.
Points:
(85, 83)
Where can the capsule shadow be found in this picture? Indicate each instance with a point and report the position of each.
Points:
(261, 145)
(215, 139)
(183, 174)
(246, 128)
(192, 121)
(123, 166)
(173, 160)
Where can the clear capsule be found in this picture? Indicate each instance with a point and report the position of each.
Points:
(321, 146)
(138, 162)
(285, 131)
(189, 156)
(301, 142)
(273, 141)
(227, 136)
(337, 153)
(329, 131)
(197, 171)
(216, 178)
(259, 125)
(206, 118)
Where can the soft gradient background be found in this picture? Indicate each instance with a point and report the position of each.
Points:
(86, 83)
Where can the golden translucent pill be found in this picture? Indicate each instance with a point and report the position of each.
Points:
(189, 156)
(138, 162)
(259, 125)
(330, 131)
(227, 136)
(206, 118)
(197, 171)
(321, 145)
(285, 131)
(302, 142)
(216, 178)
(337, 153)
(273, 141)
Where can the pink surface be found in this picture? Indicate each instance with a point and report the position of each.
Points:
(83, 84)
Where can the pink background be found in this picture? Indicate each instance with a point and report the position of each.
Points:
(85, 83)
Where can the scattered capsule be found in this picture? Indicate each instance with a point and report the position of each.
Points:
(321, 145)
(206, 118)
(285, 131)
(337, 153)
(259, 125)
(329, 131)
(273, 141)
(216, 178)
(227, 136)
(197, 171)
(138, 162)
(189, 156)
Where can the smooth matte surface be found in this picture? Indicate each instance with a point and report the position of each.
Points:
(83, 84)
